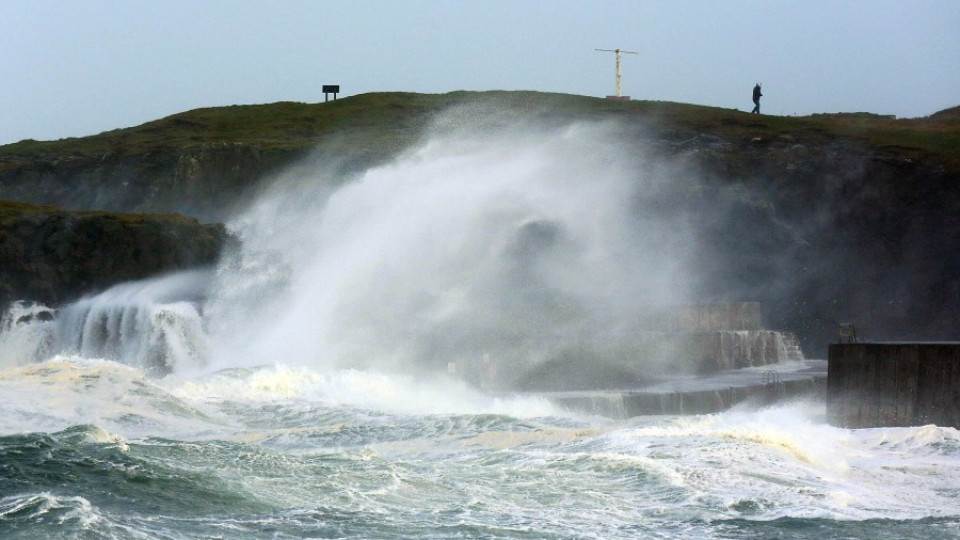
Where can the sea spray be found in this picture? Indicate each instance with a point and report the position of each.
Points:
(153, 324)
(514, 246)
(26, 333)
(351, 388)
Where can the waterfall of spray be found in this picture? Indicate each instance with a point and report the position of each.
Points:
(25, 333)
(514, 246)
(153, 324)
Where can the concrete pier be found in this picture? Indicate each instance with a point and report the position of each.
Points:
(690, 340)
(703, 395)
(893, 384)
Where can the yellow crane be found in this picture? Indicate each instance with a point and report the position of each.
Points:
(619, 52)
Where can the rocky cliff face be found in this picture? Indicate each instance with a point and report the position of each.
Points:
(54, 256)
(202, 181)
(832, 231)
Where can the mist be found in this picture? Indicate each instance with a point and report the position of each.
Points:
(516, 243)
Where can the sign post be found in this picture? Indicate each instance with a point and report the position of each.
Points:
(330, 89)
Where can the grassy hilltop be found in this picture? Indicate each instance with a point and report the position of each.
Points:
(393, 119)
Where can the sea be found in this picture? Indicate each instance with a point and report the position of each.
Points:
(311, 384)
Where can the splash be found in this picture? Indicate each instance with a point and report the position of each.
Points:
(102, 397)
(364, 389)
(516, 246)
(25, 333)
(154, 324)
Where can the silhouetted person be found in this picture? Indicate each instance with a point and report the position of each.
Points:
(756, 99)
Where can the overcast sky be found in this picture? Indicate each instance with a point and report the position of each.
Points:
(79, 68)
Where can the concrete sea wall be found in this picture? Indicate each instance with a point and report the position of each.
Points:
(893, 384)
(706, 401)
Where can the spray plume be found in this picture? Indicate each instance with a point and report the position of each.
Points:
(513, 242)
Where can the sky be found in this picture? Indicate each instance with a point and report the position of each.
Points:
(72, 69)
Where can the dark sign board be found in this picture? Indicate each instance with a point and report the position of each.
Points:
(331, 89)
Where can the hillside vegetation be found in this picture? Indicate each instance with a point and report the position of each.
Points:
(393, 119)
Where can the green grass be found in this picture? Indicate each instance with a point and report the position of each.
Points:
(390, 120)
(13, 211)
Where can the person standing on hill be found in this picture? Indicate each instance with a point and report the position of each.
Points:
(756, 99)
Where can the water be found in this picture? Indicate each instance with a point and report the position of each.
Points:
(94, 449)
(317, 384)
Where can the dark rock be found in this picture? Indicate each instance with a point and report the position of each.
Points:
(54, 256)
(202, 181)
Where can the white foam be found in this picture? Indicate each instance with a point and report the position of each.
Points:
(365, 389)
(788, 464)
(69, 391)
(42, 504)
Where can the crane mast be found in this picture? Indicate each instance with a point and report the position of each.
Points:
(619, 52)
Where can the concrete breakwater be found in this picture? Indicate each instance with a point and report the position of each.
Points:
(692, 340)
(704, 395)
(690, 359)
(894, 384)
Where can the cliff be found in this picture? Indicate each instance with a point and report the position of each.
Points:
(823, 219)
(204, 162)
(53, 256)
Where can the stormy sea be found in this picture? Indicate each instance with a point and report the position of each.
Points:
(321, 380)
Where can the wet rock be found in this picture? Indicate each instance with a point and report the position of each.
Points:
(53, 256)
